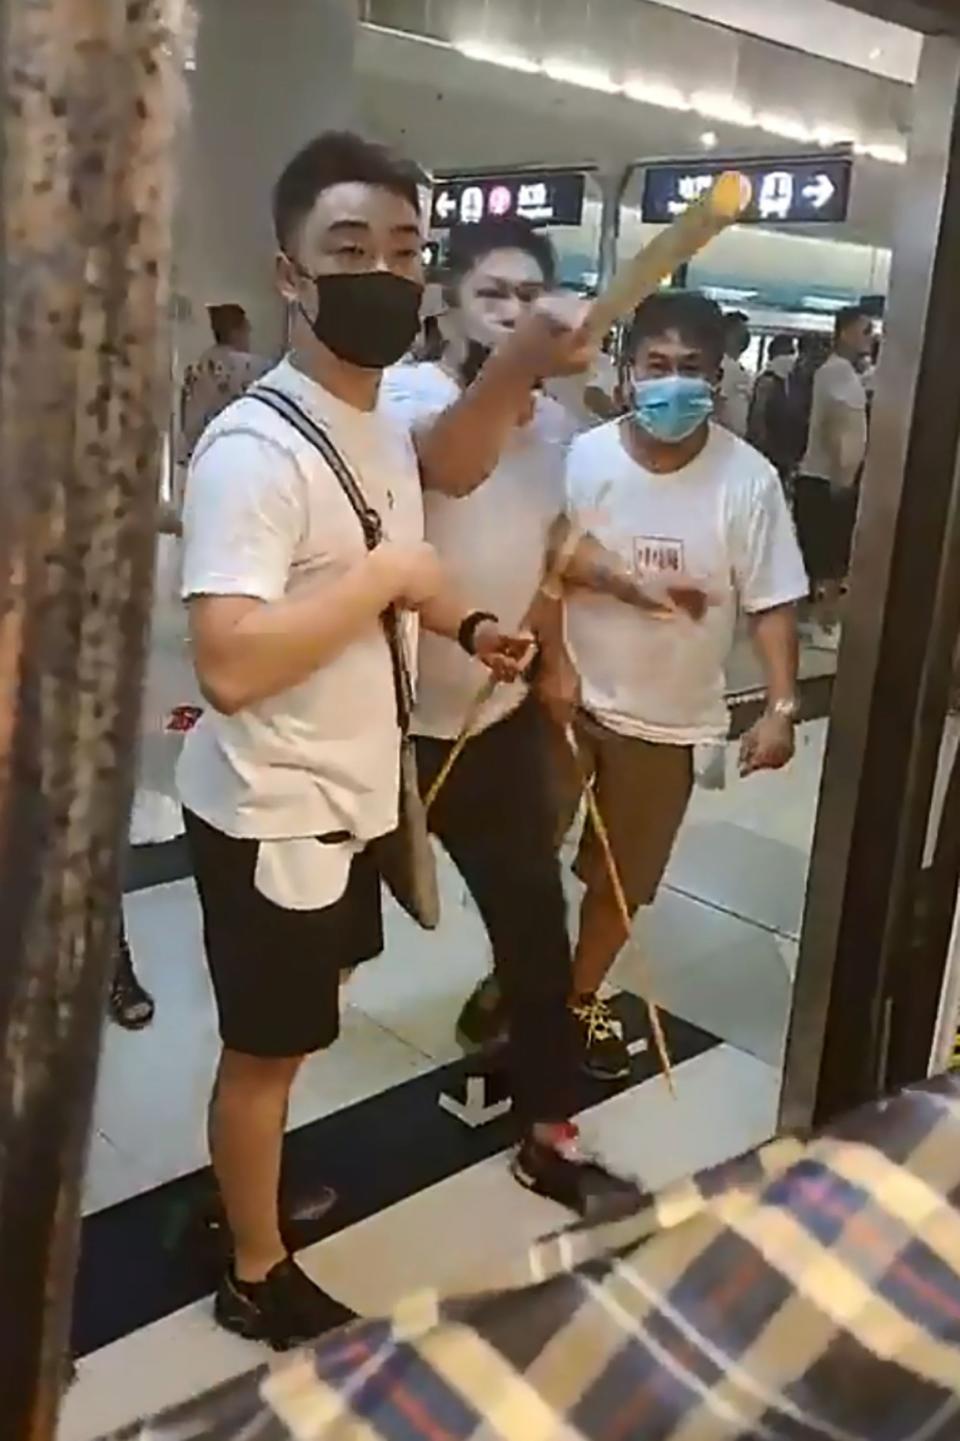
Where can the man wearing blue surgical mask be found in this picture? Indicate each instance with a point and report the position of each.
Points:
(677, 497)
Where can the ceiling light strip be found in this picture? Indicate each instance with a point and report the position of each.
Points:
(726, 109)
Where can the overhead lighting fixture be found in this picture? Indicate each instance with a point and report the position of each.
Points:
(784, 126)
(493, 55)
(722, 107)
(587, 77)
(828, 135)
(712, 106)
(891, 154)
(827, 303)
(651, 92)
(729, 295)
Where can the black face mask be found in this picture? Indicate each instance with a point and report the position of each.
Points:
(475, 360)
(370, 320)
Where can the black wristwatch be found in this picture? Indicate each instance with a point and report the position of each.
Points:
(466, 635)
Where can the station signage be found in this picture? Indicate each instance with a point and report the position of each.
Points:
(544, 197)
(785, 192)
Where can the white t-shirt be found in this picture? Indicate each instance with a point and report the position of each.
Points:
(723, 520)
(839, 398)
(492, 542)
(736, 391)
(265, 516)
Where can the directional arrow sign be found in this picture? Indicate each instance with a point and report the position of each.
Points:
(820, 191)
(446, 205)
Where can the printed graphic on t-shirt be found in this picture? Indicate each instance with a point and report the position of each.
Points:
(657, 553)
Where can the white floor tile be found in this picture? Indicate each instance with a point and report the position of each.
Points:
(726, 1103)
(150, 1370)
(111, 1176)
(726, 975)
(154, 1085)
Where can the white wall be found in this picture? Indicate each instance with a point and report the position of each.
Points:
(270, 74)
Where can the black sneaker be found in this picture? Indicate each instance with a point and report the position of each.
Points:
(130, 1004)
(605, 1053)
(284, 1310)
(564, 1173)
(482, 1023)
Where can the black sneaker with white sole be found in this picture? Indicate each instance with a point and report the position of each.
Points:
(604, 1051)
(482, 1024)
(285, 1309)
(564, 1173)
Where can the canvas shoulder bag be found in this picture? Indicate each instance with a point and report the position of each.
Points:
(405, 857)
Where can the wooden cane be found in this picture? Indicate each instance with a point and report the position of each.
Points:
(708, 217)
(550, 586)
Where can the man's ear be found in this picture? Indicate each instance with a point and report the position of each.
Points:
(286, 278)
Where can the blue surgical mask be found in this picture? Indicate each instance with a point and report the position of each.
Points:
(672, 407)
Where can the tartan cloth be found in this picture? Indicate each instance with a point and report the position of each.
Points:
(803, 1291)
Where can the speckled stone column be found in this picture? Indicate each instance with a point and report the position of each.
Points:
(92, 92)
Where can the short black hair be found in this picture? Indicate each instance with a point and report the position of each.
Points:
(225, 321)
(781, 345)
(696, 318)
(469, 244)
(336, 158)
(849, 315)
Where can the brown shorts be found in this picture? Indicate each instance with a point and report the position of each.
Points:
(642, 789)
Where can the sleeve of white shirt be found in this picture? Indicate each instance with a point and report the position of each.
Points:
(243, 519)
(768, 566)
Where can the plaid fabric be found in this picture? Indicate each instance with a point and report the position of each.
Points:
(804, 1291)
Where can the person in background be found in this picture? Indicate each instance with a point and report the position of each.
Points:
(492, 449)
(221, 374)
(826, 485)
(650, 489)
(129, 1003)
(769, 425)
(736, 382)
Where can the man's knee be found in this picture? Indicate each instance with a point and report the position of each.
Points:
(239, 1069)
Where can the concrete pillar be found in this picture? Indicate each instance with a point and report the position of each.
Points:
(269, 75)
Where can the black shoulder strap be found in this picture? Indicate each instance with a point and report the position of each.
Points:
(370, 523)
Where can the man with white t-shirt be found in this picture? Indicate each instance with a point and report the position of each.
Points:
(736, 381)
(826, 487)
(300, 621)
(492, 450)
(672, 495)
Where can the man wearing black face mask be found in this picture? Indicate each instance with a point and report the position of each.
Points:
(295, 768)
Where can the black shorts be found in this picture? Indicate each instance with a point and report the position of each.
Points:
(825, 523)
(276, 973)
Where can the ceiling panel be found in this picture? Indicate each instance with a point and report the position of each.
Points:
(935, 17)
(827, 28)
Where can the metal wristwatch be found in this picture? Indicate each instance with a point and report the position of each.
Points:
(787, 709)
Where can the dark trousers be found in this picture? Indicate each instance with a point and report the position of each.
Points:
(495, 818)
